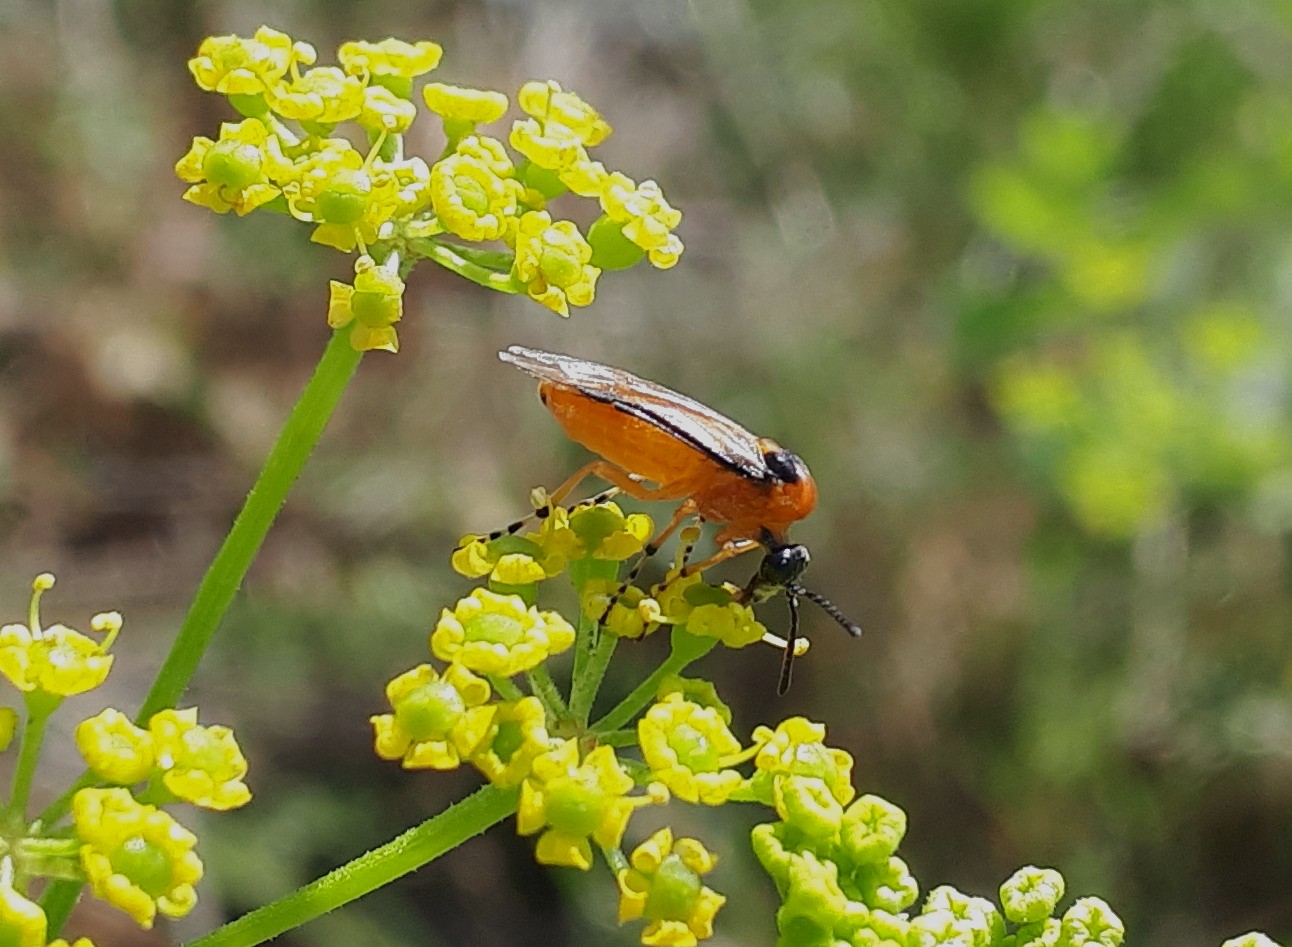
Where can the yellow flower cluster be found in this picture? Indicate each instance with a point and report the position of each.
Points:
(578, 787)
(133, 855)
(285, 155)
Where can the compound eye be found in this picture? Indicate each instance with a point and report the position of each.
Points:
(786, 466)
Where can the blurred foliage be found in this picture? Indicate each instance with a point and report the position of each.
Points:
(1011, 275)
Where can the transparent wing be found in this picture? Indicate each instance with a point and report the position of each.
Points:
(690, 421)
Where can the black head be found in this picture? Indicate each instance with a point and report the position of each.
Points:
(779, 572)
(780, 568)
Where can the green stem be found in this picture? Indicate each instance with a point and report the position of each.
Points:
(299, 436)
(33, 737)
(583, 689)
(505, 687)
(583, 686)
(615, 859)
(686, 649)
(450, 259)
(410, 851)
(215, 594)
(543, 687)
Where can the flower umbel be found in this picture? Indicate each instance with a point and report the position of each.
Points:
(399, 209)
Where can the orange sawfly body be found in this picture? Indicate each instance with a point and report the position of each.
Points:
(658, 444)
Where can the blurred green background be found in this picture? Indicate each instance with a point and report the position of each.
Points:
(1013, 276)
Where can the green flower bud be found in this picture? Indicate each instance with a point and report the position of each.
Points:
(1091, 923)
(1031, 894)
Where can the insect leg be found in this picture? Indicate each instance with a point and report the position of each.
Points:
(543, 508)
(684, 510)
(736, 547)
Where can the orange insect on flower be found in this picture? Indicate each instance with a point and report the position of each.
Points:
(658, 444)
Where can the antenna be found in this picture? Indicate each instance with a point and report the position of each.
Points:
(826, 606)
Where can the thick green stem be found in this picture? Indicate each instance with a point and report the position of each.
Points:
(222, 580)
(410, 851)
(215, 594)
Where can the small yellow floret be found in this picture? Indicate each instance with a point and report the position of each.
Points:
(371, 307)
(200, 765)
(471, 199)
(663, 886)
(552, 262)
(456, 103)
(22, 922)
(572, 799)
(114, 748)
(239, 172)
(438, 719)
(552, 105)
(689, 749)
(324, 94)
(733, 624)
(648, 219)
(234, 65)
(517, 737)
(499, 634)
(135, 857)
(633, 614)
(796, 747)
(389, 57)
(606, 532)
(554, 148)
(61, 662)
(384, 111)
(509, 560)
